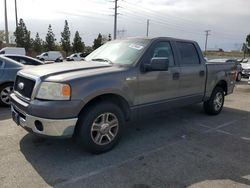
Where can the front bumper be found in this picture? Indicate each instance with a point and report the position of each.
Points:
(44, 127)
(46, 118)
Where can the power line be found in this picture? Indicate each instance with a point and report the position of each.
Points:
(184, 22)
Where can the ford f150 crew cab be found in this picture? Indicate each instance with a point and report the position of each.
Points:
(120, 81)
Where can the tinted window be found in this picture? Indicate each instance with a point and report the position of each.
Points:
(24, 60)
(162, 49)
(188, 53)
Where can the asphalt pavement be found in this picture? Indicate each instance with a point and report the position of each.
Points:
(178, 148)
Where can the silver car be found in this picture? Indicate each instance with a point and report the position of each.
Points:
(8, 70)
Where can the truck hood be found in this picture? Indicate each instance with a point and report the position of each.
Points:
(245, 65)
(63, 68)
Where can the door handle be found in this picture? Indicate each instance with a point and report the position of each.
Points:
(202, 73)
(176, 76)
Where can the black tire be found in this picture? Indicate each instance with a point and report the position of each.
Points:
(86, 135)
(212, 106)
(3, 97)
(239, 76)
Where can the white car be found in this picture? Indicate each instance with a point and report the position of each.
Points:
(13, 50)
(51, 56)
(76, 57)
(245, 68)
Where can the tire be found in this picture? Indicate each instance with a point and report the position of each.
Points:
(215, 104)
(95, 133)
(5, 91)
(239, 76)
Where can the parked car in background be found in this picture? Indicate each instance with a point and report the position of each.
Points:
(8, 70)
(77, 56)
(25, 60)
(51, 56)
(235, 61)
(245, 63)
(13, 50)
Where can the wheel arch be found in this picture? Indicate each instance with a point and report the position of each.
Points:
(7, 82)
(117, 99)
(223, 85)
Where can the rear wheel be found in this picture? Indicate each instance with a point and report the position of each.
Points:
(100, 127)
(215, 104)
(5, 91)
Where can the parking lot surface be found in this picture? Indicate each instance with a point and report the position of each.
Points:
(178, 148)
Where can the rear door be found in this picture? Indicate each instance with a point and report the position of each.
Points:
(193, 71)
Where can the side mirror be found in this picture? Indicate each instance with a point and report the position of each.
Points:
(157, 64)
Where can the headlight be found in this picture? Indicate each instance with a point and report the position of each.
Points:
(54, 91)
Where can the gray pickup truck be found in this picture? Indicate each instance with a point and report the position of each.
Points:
(120, 81)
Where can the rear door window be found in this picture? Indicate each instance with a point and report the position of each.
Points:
(188, 53)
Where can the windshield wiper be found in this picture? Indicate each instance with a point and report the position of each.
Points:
(103, 60)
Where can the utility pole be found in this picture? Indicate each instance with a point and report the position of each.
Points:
(115, 19)
(6, 24)
(207, 34)
(16, 14)
(147, 27)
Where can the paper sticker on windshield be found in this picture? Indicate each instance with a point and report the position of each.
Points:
(136, 46)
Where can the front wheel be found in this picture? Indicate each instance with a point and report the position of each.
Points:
(5, 91)
(215, 104)
(100, 127)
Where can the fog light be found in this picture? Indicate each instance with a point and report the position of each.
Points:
(39, 125)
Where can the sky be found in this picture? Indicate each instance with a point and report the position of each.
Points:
(228, 20)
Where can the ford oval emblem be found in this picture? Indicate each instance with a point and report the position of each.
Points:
(21, 85)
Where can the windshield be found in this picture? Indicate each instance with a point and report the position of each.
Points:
(73, 55)
(123, 52)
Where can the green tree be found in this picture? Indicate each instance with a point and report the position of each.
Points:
(50, 39)
(2, 38)
(65, 39)
(78, 45)
(38, 44)
(98, 41)
(22, 35)
(88, 49)
(248, 44)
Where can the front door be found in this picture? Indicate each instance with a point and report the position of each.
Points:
(157, 87)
